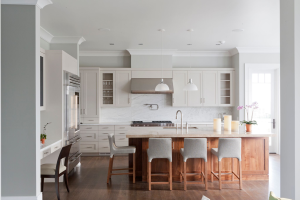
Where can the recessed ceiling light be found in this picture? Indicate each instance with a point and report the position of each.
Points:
(222, 42)
(218, 44)
(111, 44)
(104, 29)
(189, 44)
(238, 30)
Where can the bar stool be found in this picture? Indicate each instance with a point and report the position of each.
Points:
(159, 148)
(228, 148)
(194, 148)
(119, 150)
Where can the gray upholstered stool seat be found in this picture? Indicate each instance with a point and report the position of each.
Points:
(227, 148)
(194, 148)
(159, 148)
(114, 149)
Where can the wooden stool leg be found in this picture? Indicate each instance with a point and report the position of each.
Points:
(184, 174)
(212, 168)
(220, 177)
(134, 168)
(149, 175)
(240, 174)
(232, 176)
(205, 175)
(170, 174)
(109, 169)
(42, 184)
(66, 181)
(57, 187)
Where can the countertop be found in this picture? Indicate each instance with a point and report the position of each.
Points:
(129, 123)
(172, 133)
(48, 143)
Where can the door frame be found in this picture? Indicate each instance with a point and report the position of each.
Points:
(276, 68)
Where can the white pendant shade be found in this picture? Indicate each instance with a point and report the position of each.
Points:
(162, 86)
(190, 86)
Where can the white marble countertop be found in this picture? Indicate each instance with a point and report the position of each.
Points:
(48, 144)
(129, 123)
(162, 133)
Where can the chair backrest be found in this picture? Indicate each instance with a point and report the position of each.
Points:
(195, 148)
(64, 154)
(160, 148)
(112, 144)
(230, 148)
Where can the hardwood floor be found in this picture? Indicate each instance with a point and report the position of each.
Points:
(89, 183)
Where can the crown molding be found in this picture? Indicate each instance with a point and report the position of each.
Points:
(104, 53)
(233, 51)
(39, 3)
(45, 35)
(68, 40)
(203, 53)
(135, 52)
(255, 50)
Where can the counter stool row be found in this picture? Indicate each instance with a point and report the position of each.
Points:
(193, 148)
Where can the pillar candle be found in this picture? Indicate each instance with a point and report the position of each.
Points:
(227, 122)
(217, 124)
(235, 126)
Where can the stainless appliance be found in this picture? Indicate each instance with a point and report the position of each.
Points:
(72, 117)
(152, 124)
(147, 85)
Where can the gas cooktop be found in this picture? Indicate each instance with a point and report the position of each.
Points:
(152, 123)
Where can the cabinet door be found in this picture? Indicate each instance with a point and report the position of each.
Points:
(179, 95)
(226, 88)
(91, 94)
(108, 89)
(194, 97)
(210, 88)
(123, 92)
(82, 94)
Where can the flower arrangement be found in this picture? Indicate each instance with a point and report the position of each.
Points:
(43, 135)
(248, 109)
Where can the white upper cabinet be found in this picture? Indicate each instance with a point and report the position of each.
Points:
(89, 93)
(226, 84)
(179, 95)
(123, 88)
(210, 88)
(108, 88)
(195, 97)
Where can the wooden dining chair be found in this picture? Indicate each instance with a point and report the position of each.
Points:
(55, 171)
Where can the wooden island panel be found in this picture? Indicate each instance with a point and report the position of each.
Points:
(255, 160)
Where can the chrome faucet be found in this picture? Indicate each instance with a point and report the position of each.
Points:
(181, 119)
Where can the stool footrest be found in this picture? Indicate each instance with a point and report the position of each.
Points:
(159, 174)
(159, 183)
(120, 173)
(122, 169)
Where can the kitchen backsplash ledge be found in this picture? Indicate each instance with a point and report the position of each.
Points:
(139, 112)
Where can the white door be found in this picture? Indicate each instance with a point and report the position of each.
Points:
(179, 95)
(91, 93)
(263, 89)
(123, 97)
(194, 97)
(210, 88)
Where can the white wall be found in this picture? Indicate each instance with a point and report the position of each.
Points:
(139, 112)
(44, 44)
(105, 61)
(151, 61)
(201, 61)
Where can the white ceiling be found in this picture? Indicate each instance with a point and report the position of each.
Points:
(137, 21)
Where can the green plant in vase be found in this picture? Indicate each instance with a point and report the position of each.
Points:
(44, 135)
(249, 108)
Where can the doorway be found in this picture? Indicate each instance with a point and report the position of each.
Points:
(262, 86)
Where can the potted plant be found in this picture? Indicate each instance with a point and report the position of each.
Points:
(249, 108)
(43, 135)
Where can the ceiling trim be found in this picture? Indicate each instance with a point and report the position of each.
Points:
(68, 39)
(104, 53)
(255, 50)
(139, 52)
(45, 35)
(39, 3)
(203, 53)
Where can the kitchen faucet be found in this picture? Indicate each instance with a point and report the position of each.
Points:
(181, 119)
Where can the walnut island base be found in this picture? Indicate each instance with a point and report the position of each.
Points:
(255, 156)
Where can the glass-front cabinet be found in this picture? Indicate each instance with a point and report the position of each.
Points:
(226, 88)
(108, 88)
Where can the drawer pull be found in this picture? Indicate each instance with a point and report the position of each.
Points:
(88, 128)
(88, 147)
(104, 139)
(105, 133)
(56, 147)
(46, 153)
(88, 136)
(121, 127)
(91, 120)
(121, 133)
(122, 138)
(105, 128)
(104, 147)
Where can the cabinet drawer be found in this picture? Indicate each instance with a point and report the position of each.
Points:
(121, 139)
(45, 153)
(103, 128)
(89, 147)
(103, 139)
(104, 147)
(55, 147)
(89, 128)
(89, 136)
(120, 133)
(122, 144)
(87, 120)
(122, 128)
(105, 134)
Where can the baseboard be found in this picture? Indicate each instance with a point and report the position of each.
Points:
(39, 197)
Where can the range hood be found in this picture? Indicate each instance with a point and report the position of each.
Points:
(147, 85)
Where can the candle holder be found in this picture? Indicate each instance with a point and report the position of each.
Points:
(227, 122)
(217, 125)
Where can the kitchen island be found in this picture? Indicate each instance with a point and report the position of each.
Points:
(255, 153)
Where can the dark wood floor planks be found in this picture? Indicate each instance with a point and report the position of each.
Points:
(89, 183)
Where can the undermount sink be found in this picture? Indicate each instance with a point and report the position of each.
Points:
(180, 128)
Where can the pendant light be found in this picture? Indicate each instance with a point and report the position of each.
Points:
(162, 86)
(190, 86)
